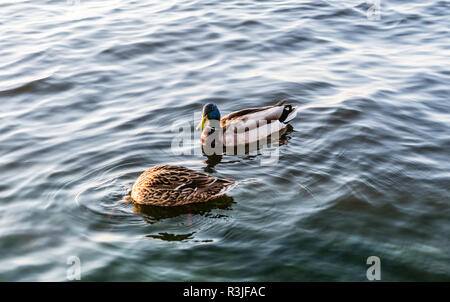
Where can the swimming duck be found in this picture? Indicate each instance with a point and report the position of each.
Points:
(244, 126)
(167, 185)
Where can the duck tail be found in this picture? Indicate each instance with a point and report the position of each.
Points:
(289, 112)
(227, 187)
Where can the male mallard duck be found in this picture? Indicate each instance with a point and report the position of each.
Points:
(167, 185)
(244, 126)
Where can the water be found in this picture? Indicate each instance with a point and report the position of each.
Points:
(90, 92)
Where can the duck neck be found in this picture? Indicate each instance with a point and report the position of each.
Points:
(213, 124)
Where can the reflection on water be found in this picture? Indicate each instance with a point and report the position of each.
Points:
(211, 161)
(171, 237)
(154, 214)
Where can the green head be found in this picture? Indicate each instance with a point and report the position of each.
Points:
(210, 112)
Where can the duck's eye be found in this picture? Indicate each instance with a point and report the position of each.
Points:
(208, 108)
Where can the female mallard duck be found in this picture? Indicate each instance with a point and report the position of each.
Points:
(168, 185)
(244, 126)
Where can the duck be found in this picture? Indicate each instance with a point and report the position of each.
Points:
(244, 126)
(170, 185)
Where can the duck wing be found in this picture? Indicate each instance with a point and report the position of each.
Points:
(245, 114)
(251, 118)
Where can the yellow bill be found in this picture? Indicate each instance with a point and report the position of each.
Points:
(201, 125)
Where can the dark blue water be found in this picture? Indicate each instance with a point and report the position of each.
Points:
(92, 93)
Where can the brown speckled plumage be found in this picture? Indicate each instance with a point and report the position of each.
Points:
(168, 185)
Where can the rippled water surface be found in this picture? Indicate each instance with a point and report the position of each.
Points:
(92, 93)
